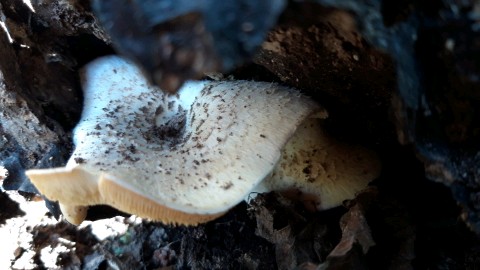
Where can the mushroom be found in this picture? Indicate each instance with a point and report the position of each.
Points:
(190, 157)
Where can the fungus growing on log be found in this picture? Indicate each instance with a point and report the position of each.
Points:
(190, 157)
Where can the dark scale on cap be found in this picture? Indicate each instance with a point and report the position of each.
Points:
(132, 149)
(227, 186)
(131, 159)
(79, 160)
(159, 111)
(170, 105)
(117, 109)
(144, 109)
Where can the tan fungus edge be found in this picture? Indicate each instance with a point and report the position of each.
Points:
(131, 202)
(71, 186)
(78, 189)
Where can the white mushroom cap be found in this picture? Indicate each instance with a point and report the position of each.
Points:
(185, 158)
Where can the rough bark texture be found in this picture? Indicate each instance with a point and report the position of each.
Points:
(41, 98)
(435, 47)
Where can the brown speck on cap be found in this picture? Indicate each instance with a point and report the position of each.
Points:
(159, 111)
(132, 148)
(79, 160)
(227, 186)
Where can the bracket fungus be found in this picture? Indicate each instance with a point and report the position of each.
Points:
(190, 157)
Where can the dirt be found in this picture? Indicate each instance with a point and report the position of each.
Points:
(38, 241)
